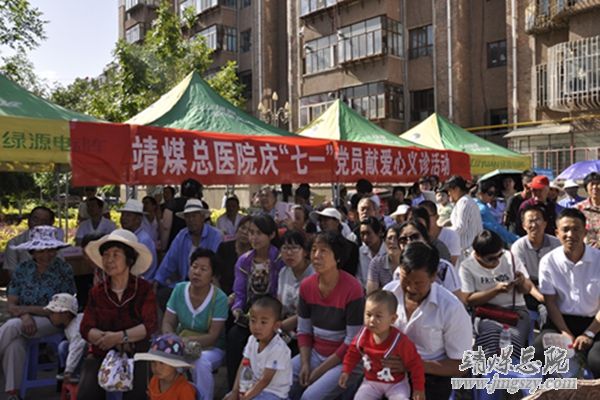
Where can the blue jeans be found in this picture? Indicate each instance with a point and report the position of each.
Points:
(63, 353)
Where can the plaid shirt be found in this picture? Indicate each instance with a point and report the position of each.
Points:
(102, 312)
(592, 216)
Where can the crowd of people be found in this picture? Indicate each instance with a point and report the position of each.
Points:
(365, 296)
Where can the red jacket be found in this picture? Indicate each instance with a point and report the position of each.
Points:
(396, 344)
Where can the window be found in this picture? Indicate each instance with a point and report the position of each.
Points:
(246, 80)
(420, 42)
(499, 116)
(422, 104)
(203, 5)
(229, 39)
(319, 54)
(310, 6)
(210, 34)
(374, 36)
(245, 3)
(312, 107)
(228, 3)
(129, 4)
(369, 100)
(134, 34)
(496, 54)
(245, 40)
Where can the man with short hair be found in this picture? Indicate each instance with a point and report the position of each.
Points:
(132, 216)
(96, 223)
(531, 248)
(570, 282)
(228, 222)
(278, 210)
(572, 197)
(511, 212)
(591, 209)
(40, 215)
(540, 187)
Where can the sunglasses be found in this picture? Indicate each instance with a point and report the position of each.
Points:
(490, 193)
(410, 238)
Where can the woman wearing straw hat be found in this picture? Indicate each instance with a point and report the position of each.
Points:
(121, 312)
(33, 284)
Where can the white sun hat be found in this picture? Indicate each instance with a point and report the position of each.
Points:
(192, 206)
(143, 261)
(402, 209)
(328, 212)
(42, 237)
(570, 183)
(133, 206)
(62, 302)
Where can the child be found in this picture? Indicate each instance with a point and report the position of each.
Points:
(63, 314)
(376, 341)
(270, 358)
(166, 356)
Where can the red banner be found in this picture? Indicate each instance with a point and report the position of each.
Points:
(137, 155)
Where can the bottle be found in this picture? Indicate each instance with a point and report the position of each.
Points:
(575, 364)
(505, 337)
(246, 377)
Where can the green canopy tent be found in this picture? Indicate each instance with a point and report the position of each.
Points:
(340, 122)
(194, 105)
(438, 133)
(35, 132)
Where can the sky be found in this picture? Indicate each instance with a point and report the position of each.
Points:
(81, 35)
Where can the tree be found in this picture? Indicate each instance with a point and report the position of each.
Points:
(140, 73)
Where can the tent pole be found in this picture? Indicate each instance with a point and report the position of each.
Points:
(66, 206)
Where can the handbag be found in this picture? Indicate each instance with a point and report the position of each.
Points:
(116, 372)
(499, 314)
(192, 348)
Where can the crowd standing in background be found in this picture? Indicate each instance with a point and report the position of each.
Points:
(367, 295)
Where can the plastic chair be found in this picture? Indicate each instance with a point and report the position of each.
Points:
(32, 364)
(68, 391)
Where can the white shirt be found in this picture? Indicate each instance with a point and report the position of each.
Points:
(440, 327)
(476, 278)
(105, 227)
(523, 250)
(365, 258)
(466, 221)
(452, 241)
(276, 355)
(577, 285)
(77, 345)
(228, 228)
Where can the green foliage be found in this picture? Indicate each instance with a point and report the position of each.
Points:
(141, 73)
(21, 26)
(19, 69)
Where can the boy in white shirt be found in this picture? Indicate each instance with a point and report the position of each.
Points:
(270, 357)
(63, 314)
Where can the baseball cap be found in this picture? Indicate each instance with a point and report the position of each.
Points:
(539, 182)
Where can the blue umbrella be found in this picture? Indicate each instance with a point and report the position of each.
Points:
(580, 169)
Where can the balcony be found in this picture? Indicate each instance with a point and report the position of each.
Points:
(130, 5)
(570, 81)
(545, 15)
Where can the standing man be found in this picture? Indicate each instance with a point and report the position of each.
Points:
(465, 217)
(132, 217)
(511, 212)
(570, 283)
(591, 209)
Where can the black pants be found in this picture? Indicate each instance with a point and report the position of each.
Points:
(90, 390)
(163, 293)
(237, 337)
(437, 387)
(577, 325)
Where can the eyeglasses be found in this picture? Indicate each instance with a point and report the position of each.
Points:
(492, 258)
(410, 238)
(290, 249)
(531, 221)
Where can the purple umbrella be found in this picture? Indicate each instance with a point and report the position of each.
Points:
(580, 169)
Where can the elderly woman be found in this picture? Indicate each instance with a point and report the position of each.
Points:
(256, 274)
(330, 314)
(197, 311)
(121, 312)
(491, 276)
(33, 284)
(432, 317)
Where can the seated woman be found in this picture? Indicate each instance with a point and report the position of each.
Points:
(330, 314)
(381, 268)
(121, 312)
(256, 274)
(297, 268)
(491, 276)
(432, 318)
(229, 252)
(197, 311)
(33, 284)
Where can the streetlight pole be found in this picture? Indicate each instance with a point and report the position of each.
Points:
(278, 117)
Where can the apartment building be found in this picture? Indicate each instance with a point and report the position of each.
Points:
(557, 85)
(251, 32)
(393, 60)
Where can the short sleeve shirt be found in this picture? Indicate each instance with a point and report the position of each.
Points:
(35, 289)
(276, 355)
(197, 319)
(288, 289)
(476, 278)
(523, 250)
(451, 240)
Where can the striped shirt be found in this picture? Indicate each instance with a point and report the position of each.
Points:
(329, 324)
(466, 221)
